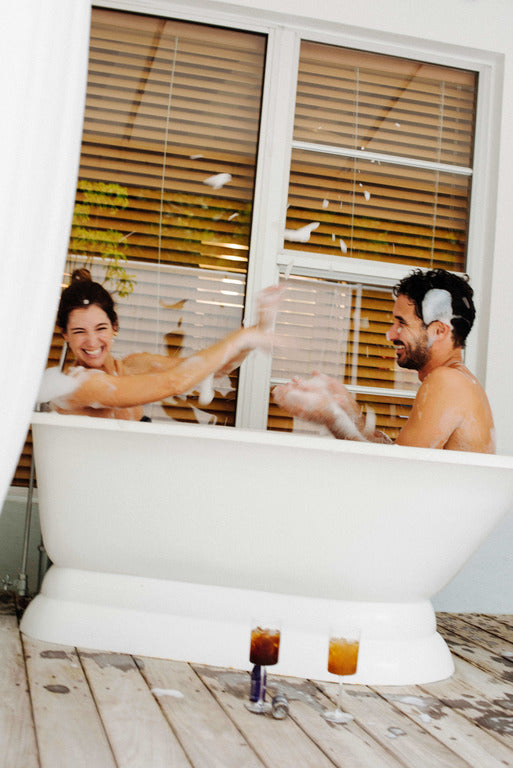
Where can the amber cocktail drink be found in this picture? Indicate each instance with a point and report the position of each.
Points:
(265, 646)
(342, 660)
(263, 652)
(343, 656)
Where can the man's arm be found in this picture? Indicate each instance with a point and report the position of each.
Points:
(438, 410)
(323, 400)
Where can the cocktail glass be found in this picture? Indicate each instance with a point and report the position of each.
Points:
(264, 651)
(344, 644)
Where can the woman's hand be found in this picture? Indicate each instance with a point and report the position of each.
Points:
(268, 302)
(259, 336)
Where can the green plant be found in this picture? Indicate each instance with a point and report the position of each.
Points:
(97, 200)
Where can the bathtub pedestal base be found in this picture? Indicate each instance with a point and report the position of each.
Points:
(211, 625)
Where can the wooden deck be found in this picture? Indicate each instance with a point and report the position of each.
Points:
(63, 706)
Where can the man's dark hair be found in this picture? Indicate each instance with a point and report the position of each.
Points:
(418, 283)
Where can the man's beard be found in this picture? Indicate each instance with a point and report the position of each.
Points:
(415, 357)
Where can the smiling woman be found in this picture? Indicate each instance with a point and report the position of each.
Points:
(98, 384)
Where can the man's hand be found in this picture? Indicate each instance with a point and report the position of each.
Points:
(307, 399)
(323, 400)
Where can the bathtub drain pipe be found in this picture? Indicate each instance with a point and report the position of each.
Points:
(22, 579)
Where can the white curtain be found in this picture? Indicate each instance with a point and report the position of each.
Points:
(43, 75)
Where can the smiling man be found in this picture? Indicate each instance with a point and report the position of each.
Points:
(433, 314)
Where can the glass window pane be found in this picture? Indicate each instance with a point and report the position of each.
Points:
(338, 328)
(164, 198)
(385, 104)
(169, 144)
(377, 211)
(380, 172)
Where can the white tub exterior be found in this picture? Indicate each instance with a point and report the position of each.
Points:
(166, 540)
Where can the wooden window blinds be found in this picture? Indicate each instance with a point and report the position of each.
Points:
(382, 157)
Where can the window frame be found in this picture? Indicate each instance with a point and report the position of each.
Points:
(268, 258)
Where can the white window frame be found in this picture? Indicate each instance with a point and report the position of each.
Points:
(267, 256)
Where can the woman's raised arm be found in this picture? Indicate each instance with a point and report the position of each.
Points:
(97, 389)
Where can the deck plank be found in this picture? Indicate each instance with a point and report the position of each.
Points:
(85, 708)
(503, 618)
(477, 629)
(487, 651)
(409, 742)
(207, 734)
(442, 709)
(17, 734)
(481, 698)
(346, 745)
(495, 625)
(69, 730)
(136, 729)
(278, 743)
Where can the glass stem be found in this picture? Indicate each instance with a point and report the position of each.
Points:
(339, 695)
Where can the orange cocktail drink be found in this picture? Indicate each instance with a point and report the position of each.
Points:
(343, 656)
(344, 645)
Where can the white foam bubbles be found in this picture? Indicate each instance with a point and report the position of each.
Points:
(206, 390)
(175, 694)
(437, 305)
(218, 180)
(55, 385)
(223, 384)
(288, 269)
(301, 235)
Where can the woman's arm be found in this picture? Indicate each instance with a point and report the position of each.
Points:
(101, 390)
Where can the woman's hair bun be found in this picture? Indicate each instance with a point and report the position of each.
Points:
(80, 293)
(81, 275)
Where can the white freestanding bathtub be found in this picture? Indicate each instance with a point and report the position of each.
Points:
(169, 539)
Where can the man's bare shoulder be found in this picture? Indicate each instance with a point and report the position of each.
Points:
(449, 376)
(451, 386)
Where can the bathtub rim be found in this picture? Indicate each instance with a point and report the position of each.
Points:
(287, 439)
